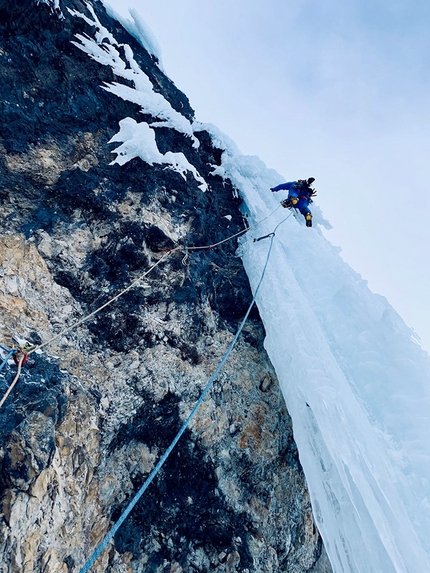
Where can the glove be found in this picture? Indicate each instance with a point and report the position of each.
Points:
(271, 189)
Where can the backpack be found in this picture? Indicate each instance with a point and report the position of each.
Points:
(303, 187)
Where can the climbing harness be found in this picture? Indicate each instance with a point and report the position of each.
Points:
(166, 454)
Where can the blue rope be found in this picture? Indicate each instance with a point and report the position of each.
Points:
(11, 353)
(4, 348)
(157, 468)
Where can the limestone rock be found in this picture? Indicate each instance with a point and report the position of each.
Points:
(29, 450)
(95, 409)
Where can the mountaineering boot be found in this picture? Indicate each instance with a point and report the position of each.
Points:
(290, 202)
(308, 220)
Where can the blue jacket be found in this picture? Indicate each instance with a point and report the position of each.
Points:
(286, 186)
(299, 191)
(295, 189)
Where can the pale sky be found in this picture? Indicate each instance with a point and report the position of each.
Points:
(335, 90)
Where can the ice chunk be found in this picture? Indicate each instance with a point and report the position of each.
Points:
(139, 141)
(139, 29)
(101, 33)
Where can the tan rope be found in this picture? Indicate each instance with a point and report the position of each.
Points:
(15, 380)
(85, 318)
(133, 284)
(219, 243)
(232, 236)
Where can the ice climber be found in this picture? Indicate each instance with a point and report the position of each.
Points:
(299, 196)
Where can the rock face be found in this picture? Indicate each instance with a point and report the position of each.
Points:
(92, 414)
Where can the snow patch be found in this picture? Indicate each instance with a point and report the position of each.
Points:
(139, 141)
(101, 33)
(139, 29)
(108, 52)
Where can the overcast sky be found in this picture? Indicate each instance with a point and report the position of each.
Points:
(337, 90)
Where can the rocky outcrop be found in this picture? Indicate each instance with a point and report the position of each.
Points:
(92, 413)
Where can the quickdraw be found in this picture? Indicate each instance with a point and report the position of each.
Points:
(264, 237)
(17, 357)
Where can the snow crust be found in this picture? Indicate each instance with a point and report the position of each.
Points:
(355, 382)
(105, 49)
(101, 32)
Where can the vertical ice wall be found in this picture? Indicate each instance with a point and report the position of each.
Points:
(356, 385)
